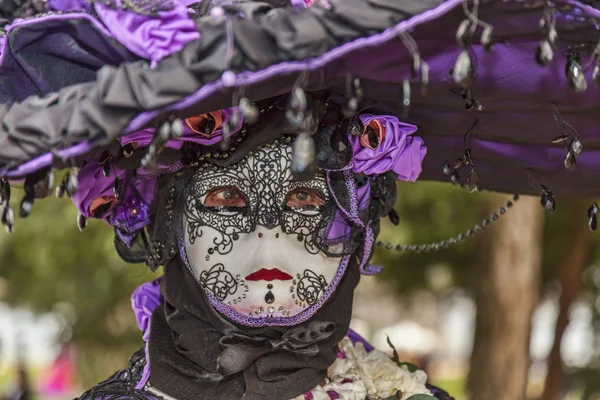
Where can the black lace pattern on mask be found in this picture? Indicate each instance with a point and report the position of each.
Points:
(310, 287)
(265, 180)
(219, 281)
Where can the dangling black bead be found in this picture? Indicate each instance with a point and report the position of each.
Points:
(27, 202)
(72, 183)
(4, 191)
(416, 64)
(547, 201)
(60, 190)
(552, 35)
(593, 223)
(106, 169)
(405, 97)
(296, 107)
(544, 53)
(467, 156)
(176, 128)
(44, 187)
(128, 150)
(228, 129)
(462, 71)
(248, 110)
(304, 164)
(8, 218)
(354, 95)
(487, 40)
(149, 160)
(472, 180)
(455, 178)
(473, 104)
(576, 147)
(356, 127)
(394, 217)
(593, 210)
(570, 161)
(596, 74)
(81, 222)
(424, 78)
(593, 216)
(575, 72)
(164, 132)
(447, 168)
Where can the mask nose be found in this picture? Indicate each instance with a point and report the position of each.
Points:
(269, 220)
(263, 233)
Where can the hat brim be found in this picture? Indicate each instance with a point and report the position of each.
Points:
(511, 145)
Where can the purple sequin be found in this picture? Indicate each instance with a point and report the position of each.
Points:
(130, 215)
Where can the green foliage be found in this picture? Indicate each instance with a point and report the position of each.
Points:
(395, 357)
(47, 261)
(431, 212)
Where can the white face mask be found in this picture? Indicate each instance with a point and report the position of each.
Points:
(250, 233)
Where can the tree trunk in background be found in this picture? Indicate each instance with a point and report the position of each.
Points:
(570, 282)
(506, 291)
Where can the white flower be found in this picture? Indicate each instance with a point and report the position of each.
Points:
(372, 375)
(381, 376)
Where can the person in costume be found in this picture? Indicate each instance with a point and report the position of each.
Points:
(252, 148)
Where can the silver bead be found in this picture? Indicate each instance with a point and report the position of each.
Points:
(304, 164)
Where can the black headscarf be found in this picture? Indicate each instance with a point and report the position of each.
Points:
(197, 354)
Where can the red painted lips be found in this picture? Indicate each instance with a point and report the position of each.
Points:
(268, 275)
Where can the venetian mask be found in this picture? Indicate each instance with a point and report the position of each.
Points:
(251, 239)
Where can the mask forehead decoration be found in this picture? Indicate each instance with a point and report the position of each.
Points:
(252, 238)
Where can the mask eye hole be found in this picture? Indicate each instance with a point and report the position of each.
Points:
(228, 198)
(305, 199)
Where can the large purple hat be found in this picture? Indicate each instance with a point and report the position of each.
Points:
(502, 93)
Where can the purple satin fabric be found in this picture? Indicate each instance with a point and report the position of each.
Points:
(149, 37)
(144, 300)
(69, 5)
(399, 151)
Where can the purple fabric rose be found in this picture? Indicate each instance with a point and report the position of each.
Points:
(392, 149)
(94, 185)
(144, 300)
(143, 137)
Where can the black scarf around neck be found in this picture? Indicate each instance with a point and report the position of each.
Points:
(197, 354)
